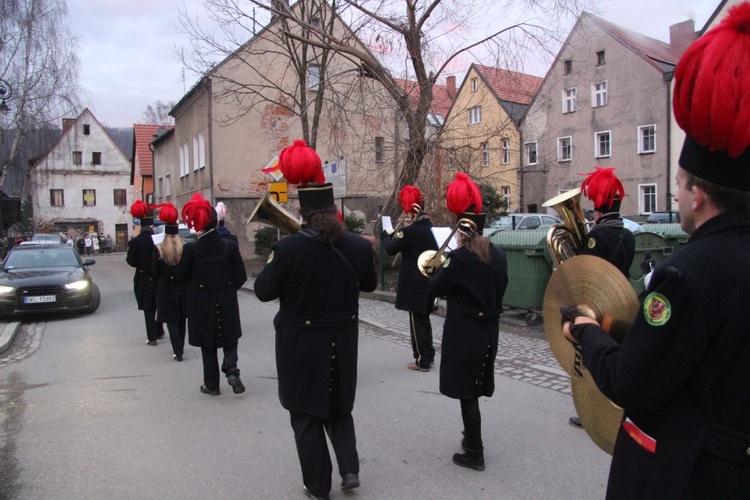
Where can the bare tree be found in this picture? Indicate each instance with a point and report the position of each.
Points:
(158, 113)
(38, 61)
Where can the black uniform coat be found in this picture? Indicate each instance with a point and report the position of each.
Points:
(682, 373)
(317, 318)
(612, 241)
(474, 297)
(171, 299)
(413, 293)
(213, 271)
(140, 255)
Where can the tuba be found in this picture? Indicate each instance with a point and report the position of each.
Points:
(566, 239)
(268, 211)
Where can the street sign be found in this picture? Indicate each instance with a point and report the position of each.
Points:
(336, 174)
(279, 191)
(272, 169)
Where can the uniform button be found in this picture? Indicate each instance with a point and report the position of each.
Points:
(748, 450)
(333, 357)
(307, 322)
(481, 315)
(200, 286)
(333, 344)
(354, 316)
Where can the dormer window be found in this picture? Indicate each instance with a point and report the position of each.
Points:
(474, 84)
(600, 58)
(567, 66)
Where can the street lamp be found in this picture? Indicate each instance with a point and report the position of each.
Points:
(6, 94)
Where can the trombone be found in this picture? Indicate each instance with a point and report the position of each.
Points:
(429, 260)
(405, 220)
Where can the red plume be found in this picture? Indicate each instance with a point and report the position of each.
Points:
(712, 85)
(300, 164)
(168, 213)
(197, 212)
(602, 186)
(139, 209)
(461, 194)
(408, 196)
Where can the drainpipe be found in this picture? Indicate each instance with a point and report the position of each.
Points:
(520, 170)
(668, 78)
(210, 139)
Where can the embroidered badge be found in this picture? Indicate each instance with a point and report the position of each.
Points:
(447, 262)
(656, 309)
(592, 242)
(270, 257)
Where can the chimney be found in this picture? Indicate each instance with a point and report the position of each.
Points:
(681, 35)
(450, 84)
(68, 124)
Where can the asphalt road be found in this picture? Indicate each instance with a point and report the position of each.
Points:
(90, 412)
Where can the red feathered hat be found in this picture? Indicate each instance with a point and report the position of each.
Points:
(712, 102)
(603, 188)
(168, 215)
(463, 198)
(301, 165)
(410, 196)
(198, 213)
(139, 210)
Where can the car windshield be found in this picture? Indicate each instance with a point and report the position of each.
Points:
(41, 257)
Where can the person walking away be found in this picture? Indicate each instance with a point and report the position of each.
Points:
(140, 254)
(473, 278)
(171, 299)
(221, 213)
(608, 238)
(317, 275)
(682, 372)
(413, 292)
(212, 270)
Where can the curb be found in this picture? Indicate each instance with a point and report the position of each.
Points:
(7, 334)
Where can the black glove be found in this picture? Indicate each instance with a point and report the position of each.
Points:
(569, 313)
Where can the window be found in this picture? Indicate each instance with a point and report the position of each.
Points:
(96, 158)
(564, 148)
(56, 198)
(475, 115)
(201, 150)
(567, 67)
(602, 144)
(505, 190)
(168, 185)
(474, 84)
(599, 94)
(86, 129)
(530, 149)
(313, 77)
(600, 58)
(184, 160)
(485, 154)
(89, 197)
(196, 157)
(379, 158)
(647, 198)
(121, 197)
(506, 150)
(160, 188)
(647, 139)
(570, 100)
(77, 158)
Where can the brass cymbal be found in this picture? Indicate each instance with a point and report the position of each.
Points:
(600, 417)
(592, 284)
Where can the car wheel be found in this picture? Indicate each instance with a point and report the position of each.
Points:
(96, 298)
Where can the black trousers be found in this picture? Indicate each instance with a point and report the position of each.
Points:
(420, 329)
(472, 424)
(152, 327)
(312, 449)
(211, 365)
(177, 336)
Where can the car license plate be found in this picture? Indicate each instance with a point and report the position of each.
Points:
(39, 299)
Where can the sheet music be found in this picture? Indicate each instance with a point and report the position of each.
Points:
(387, 224)
(157, 238)
(441, 234)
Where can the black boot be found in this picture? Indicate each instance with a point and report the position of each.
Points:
(472, 459)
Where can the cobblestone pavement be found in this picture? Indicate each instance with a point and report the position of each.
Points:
(26, 341)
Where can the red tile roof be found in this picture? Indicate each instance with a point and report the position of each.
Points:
(142, 137)
(509, 85)
(441, 100)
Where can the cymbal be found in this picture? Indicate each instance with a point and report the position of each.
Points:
(596, 286)
(600, 417)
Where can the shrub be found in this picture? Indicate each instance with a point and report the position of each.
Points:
(264, 238)
(354, 223)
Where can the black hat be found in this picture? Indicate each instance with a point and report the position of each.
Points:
(316, 196)
(477, 221)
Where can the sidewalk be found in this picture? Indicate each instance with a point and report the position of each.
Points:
(7, 334)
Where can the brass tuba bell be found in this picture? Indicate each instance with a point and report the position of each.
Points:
(566, 239)
(268, 211)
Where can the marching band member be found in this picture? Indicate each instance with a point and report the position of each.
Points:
(683, 370)
(223, 230)
(317, 275)
(413, 293)
(140, 254)
(473, 279)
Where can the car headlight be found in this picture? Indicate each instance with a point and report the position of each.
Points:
(77, 285)
(6, 289)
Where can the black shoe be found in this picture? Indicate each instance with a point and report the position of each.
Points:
(206, 390)
(236, 384)
(350, 481)
(177, 357)
(417, 368)
(575, 422)
(471, 460)
(150, 342)
(161, 336)
(307, 492)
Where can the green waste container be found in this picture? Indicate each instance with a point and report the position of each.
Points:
(647, 246)
(529, 269)
(673, 233)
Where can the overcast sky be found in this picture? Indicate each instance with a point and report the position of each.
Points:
(126, 47)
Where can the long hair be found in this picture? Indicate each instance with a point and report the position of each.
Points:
(170, 249)
(324, 221)
(479, 246)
